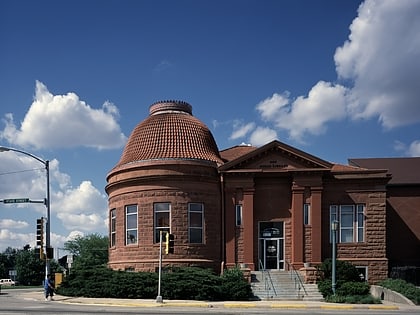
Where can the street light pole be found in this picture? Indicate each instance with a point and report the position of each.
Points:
(334, 227)
(47, 201)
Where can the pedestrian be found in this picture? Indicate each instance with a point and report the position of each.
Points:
(49, 288)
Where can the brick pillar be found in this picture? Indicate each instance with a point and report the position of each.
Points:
(316, 195)
(297, 225)
(248, 224)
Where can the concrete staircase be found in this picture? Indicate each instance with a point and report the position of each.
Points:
(282, 285)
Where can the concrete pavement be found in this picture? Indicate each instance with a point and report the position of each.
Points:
(39, 296)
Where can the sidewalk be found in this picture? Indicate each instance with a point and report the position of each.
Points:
(39, 296)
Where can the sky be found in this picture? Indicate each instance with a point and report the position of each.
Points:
(336, 79)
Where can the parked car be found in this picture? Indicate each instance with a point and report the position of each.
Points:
(7, 282)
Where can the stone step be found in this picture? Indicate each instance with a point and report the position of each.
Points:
(282, 286)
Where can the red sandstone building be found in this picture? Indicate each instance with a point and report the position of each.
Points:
(267, 208)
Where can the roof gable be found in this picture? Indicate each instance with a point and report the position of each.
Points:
(276, 155)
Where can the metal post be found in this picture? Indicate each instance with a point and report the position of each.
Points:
(47, 226)
(159, 297)
(47, 202)
(334, 226)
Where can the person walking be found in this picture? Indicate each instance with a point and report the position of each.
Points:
(49, 288)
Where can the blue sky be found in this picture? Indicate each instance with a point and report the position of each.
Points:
(337, 79)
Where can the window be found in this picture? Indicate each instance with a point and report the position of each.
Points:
(195, 222)
(162, 211)
(113, 223)
(306, 213)
(131, 224)
(351, 220)
(238, 210)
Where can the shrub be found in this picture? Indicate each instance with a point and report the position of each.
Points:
(353, 288)
(345, 271)
(407, 289)
(177, 283)
(234, 287)
(190, 283)
(349, 286)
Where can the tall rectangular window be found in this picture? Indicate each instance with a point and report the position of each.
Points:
(162, 212)
(238, 211)
(306, 213)
(360, 223)
(195, 222)
(113, 229)
(131, 224)
(351, 220)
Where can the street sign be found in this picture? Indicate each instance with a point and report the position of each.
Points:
(17, 200)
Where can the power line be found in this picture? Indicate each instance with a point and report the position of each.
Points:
(23, 171)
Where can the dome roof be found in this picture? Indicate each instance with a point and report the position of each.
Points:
(170, 132)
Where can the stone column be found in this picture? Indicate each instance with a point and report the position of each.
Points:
(297, 225)
(316, 218)
(248, 224)
(230, 229)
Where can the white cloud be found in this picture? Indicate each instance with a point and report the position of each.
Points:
(325, 102)
(83, 207)
(240, 129)
(261, 136)
(12, 224)
(28, 178)
(272, 106)
(72, 208)
(381, 59)
(380, 70)
(414, 148)
(11, 239)
(57, 121)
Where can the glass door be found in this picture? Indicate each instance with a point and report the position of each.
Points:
(271, 245)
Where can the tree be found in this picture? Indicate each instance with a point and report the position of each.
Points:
(29, 268)
(89, 251)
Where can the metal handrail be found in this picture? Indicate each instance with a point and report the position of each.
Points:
(267, 287)
(296, 275)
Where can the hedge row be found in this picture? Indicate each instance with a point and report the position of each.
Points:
(188, 283)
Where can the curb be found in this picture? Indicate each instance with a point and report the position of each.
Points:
(226, 305)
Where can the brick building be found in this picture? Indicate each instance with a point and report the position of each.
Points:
(269, 207)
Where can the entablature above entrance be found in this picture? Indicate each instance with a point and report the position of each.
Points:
(275, 157)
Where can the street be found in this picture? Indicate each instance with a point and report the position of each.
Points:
(19, 301)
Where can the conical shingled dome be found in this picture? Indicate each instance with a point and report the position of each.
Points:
(170, 132)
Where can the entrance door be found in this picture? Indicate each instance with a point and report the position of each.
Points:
(271, 245)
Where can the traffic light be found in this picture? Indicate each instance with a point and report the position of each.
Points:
(50, 252)
(40, 232)
(40, 253)
(170, 240)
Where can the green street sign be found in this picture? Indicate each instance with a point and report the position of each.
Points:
(17, 200)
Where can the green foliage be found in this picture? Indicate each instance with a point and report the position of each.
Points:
(345, 271)
(187, 283)
(7, 261)
(353, 288)
(405, 288)
(349, 287)
(234, 286)
(190, 283)
(29, 268)
(90, 251)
